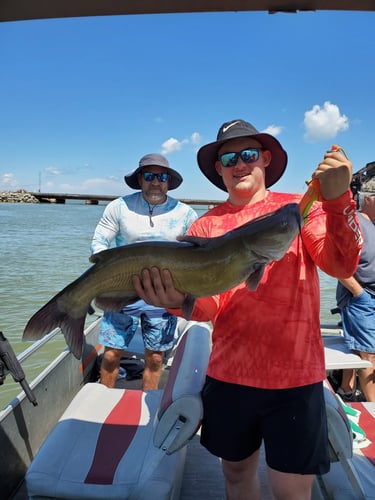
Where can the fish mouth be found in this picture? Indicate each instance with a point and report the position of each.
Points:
(261, 259)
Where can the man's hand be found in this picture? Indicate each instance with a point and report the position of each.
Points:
(156, 288)
(334, 174)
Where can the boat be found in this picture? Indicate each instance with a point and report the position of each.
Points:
(17, 10)
(51, 432)
(66, 400)
(29, 422)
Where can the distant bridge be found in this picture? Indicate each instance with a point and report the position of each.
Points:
(94, 199)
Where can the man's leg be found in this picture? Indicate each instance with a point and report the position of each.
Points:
(152, 370)
(242, 483)
(110, 366)
(367, 377)
(348, 380)
(117, 329)
(158, 329)
(290, 486)
(296, 441)
(241, 479)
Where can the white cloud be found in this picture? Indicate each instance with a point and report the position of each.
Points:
(172, 145)
(273, 130)
(325, 122)
(53, 170)
(8, 181)
(195, 138)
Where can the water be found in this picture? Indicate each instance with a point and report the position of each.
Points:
(43, 248)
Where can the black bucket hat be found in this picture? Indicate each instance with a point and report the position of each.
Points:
(153, 160)
(208, 155)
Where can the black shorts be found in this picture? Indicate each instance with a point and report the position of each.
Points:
(291, 422)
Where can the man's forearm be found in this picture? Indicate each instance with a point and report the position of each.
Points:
(352, 285)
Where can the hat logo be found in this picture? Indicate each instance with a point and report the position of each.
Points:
(229, 126)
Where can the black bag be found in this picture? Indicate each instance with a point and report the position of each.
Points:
(133, 368)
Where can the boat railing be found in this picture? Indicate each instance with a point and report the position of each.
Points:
(35, 346)
(12, 365)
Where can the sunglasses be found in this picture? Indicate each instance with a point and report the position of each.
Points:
(249, 155)
(149, 176)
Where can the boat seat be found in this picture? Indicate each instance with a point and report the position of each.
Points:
(340, 437)
(126, 443)
(352, 473)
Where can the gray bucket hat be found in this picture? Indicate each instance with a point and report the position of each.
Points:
(208, 155)
(153, 160)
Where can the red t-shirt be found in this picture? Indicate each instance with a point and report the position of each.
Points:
(270, 338)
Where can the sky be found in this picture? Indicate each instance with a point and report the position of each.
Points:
(83, 99)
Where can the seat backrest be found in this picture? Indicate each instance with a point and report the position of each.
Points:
(339, 430)
(181, 411)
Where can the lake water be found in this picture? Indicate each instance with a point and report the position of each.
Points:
(43, 247)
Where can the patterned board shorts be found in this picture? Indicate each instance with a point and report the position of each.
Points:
(157, 325)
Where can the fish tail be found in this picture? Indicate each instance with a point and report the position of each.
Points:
(50, 317)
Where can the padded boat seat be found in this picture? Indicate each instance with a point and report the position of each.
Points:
(352, 475)
(339, 431)
(124, 443)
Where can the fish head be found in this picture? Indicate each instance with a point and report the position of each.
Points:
(268, 238)
(272, 234)
(275, 233)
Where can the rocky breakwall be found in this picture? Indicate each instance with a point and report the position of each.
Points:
(20, 196)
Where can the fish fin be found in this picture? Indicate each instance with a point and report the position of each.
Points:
(73, 330)
(188, 306)
(50, 317)
(254, 278)
(114, 301)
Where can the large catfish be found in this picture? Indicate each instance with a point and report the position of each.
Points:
(200, 267)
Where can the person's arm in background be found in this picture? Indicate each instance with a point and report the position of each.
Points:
(351, 284)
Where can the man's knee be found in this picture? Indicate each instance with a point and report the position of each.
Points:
(291, 486)
(153, 360)
(112, 356)
(235, 471)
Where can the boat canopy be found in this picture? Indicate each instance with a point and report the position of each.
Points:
(18, 10)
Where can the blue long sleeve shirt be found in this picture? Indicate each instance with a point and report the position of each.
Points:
(131, 219)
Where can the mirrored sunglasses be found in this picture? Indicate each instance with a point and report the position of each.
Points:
(249, 155)
(150, 176)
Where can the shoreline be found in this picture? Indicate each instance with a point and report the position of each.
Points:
(20, 196)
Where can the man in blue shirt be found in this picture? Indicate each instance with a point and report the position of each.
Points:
(145, 215)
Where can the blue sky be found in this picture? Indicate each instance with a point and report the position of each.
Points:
(81, 100)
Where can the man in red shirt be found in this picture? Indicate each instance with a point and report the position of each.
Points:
(264, 380)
